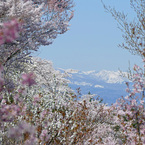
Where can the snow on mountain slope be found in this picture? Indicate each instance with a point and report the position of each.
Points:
(106, 76)
(110, 76)
(88, 72)
(109, 85)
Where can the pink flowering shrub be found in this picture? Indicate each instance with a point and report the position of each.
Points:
(28, 79)
(25, 26)
(130, 111)
(10, 31)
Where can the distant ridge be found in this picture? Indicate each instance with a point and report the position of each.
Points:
(109, 85)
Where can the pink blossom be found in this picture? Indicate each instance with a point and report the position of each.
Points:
(127, 90)
(3, 101)
(121, 112)
(136, 67)
(28, 79)
(44, 135)
(36, 99)
(141, 101)
(9, 32)
(20, 129)
(43, 113)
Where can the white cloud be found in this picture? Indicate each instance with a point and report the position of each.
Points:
(98, 86)
(82, 83)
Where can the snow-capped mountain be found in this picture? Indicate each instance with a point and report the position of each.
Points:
(110, 76)
(109, 85)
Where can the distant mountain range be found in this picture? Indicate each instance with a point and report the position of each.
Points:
(109, 85)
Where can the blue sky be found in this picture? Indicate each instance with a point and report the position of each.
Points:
(91, 43)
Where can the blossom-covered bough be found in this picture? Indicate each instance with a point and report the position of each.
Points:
(130, 110)
(40, 23)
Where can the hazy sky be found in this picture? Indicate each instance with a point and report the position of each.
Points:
(91, 43)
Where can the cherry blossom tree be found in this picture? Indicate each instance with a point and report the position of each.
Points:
(130, 109)
(40, 23)
(133, 31)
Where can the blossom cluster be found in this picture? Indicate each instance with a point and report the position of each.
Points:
(9, 31)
